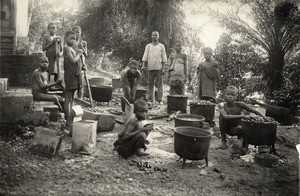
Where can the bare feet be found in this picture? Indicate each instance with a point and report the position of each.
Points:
(141, 153)
(150, 105)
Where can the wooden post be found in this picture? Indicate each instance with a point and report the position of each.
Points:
(57, 52)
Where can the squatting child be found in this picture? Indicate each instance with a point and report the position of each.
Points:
(132, 139)
(231, 114)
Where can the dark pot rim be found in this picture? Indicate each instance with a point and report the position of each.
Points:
(101, 86)
(195, 128)
(197, 117)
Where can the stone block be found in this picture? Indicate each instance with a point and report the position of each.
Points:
(77, 113)
(105, 122)
(15, 106)
(42, 104)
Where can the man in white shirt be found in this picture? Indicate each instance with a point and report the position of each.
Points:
(154, 59)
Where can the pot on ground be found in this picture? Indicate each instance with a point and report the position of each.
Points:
(192, 120)
(192, 143)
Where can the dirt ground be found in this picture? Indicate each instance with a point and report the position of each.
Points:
(106, 173)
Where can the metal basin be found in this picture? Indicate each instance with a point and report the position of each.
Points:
(96, 81)
(191, 143)
(192, 120)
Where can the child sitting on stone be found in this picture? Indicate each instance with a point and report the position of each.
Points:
(231, 115)
(40, 84)
(132, 139)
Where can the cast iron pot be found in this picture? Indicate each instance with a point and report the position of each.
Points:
(96, 81)
(176, 103)
(191, 143)
(259, 134)
(101, 93)
(191, 120)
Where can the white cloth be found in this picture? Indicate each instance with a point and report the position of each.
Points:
(155, 55)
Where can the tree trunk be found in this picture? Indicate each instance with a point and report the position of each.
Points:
(99, 65)
(275, 72)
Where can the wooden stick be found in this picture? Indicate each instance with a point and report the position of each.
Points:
(57, 52)
(159, 116)
(87, 81)
(89, 88)
(81, 102)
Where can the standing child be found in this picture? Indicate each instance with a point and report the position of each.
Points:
(177, 74)
(154, 59)
(208, 73)
(40, 84)
(80, 44)
(132, 139)
(130, 78)
(231, 115)
(53, 47)
(72, 75)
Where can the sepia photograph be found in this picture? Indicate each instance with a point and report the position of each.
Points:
(150, 97)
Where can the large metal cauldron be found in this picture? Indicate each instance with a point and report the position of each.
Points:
(259, 134)
(191, 143)
(101, 93)
(96, 81)
(191, 120)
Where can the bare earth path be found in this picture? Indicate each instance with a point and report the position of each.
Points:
(106, 173)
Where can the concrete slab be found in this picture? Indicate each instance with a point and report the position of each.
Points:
(106, 122)
(15, 106)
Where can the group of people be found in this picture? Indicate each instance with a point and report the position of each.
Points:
(154, 60)
(133, 137)
(47, 76)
